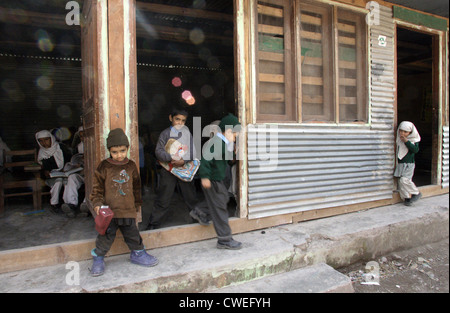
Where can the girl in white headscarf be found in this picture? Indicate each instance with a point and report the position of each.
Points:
(51, 157)
(408, 139)
(49, 148)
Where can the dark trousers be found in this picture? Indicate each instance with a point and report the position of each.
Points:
(215, 205)
(166, 188)
(129, 231)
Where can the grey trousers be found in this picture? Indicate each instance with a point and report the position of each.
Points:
(406, 187)
(215, 206)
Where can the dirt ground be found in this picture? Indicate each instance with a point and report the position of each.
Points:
(424, 269)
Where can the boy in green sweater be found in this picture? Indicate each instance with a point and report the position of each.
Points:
(216, 154)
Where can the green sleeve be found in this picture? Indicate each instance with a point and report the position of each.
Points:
(412, 147)
(205, 169)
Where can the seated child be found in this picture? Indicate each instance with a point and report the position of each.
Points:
(52, 156)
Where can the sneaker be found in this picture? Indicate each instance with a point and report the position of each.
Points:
(98, 266)
(229, 244)
(141, 257)
(408, 202)
(69, 209)
(414, 198)
(199, 218)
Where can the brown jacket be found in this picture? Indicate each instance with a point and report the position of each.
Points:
(118, 185)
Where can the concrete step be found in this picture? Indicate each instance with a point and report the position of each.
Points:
(200, 266)
(318, 278)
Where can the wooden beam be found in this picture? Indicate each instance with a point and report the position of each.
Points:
(24, 17)
(177, 34)
(419, 18)
(180, 11)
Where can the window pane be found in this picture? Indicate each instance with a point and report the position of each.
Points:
(274, 75)
(317, 64)
(352, 67)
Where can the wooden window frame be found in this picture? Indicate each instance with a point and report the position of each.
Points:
(328, 78)
(289, 71)
(360, 66)
(293, 74)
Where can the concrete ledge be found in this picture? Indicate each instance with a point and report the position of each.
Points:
(199, 266)
(318, 278)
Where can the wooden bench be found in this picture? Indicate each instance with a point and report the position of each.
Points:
(20, 176)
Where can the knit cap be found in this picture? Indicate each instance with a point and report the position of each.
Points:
(117, 137)
(229, 121)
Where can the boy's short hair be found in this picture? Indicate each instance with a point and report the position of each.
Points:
(178, 111)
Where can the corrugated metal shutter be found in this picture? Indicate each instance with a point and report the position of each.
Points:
(325, 167)
(445, 157)
(318, 168)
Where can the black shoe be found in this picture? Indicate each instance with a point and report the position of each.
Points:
(55, 209)
(152, 226)
(69, 209)
(414, 198)
(229, 244)
(84, 210)
(200, 218)
(408, 202)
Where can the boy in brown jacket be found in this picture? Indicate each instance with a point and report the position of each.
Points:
(117, 184)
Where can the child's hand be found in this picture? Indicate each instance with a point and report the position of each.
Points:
(96, 209)
(177, 163)
(404, 139)
(206, 183)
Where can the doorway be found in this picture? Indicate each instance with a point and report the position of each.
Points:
(417, 97)
(41, 88)
(185, 59)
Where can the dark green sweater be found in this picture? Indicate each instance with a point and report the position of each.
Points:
(214, 164)
(413, 148)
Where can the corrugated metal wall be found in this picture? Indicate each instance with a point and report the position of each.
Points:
(318, 168)
(445, 157)
(325, 166)
(382, 87)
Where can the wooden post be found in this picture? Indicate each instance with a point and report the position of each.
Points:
(109, 78)
(123, 70)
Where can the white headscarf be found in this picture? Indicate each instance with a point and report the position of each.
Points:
(54, 150)
(413, 137)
